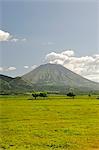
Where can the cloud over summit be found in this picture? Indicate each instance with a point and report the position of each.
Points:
(87, 66)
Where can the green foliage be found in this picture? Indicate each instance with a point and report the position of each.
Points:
(55, 124)
(43, 94)
(35, 95)
(71, 94)
(39, 94)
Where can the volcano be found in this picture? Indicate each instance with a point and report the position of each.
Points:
(56, 77)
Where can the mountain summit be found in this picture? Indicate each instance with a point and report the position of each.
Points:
(57, 77)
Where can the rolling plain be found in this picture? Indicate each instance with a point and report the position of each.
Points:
(53, 123)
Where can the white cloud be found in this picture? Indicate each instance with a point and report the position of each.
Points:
(14, 40)
(11, 69)
(6, 69)
(48, 43)
(94, 77)
(6, 36)
(68, 53)
(33, 67)
(1, 69)
(87, 66)
(26, 67)
(23, 40)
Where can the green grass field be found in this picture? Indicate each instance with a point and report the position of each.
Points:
(56, 123)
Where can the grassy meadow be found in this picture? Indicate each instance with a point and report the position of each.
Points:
(53, 123)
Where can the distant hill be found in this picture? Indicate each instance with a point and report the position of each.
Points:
(9, 85)
(48, 77)
(56, 77)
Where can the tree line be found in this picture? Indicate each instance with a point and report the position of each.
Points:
(39, 94)
(44, 94)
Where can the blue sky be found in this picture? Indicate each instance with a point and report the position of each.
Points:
(38, 28)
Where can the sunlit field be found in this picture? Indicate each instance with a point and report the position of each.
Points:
(52, 123)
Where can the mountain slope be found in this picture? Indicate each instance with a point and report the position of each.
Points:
(9, 85)
(55, 75)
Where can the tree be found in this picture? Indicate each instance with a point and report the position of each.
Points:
(97, 97)
(71, 94)
(35, 95)
(89, 95)
(41, 94)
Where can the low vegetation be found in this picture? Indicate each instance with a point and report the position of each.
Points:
(71, 94)
(39, 94)
(57, 123)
